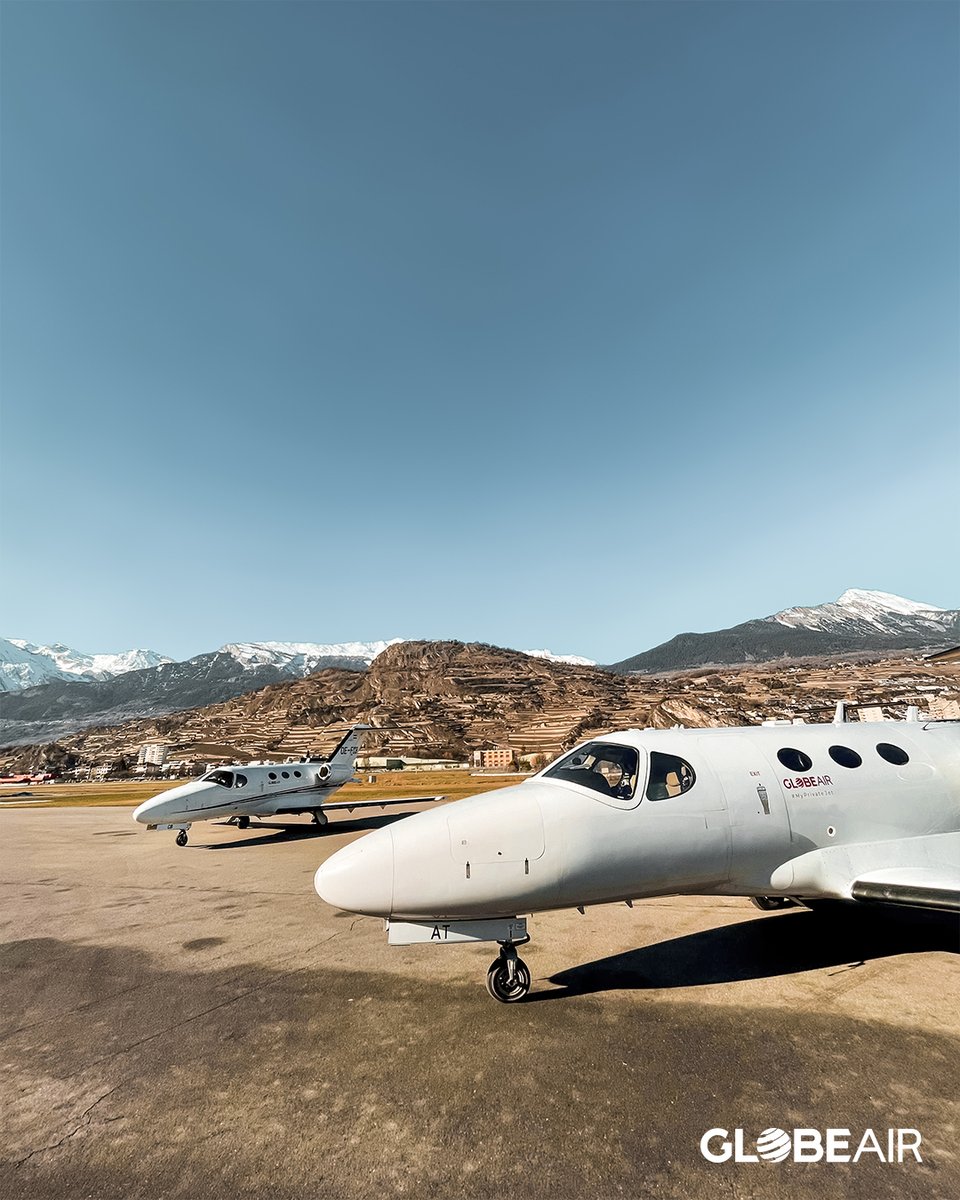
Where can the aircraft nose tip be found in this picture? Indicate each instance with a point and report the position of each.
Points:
(140, 812)
(155, 809)
(359, 878)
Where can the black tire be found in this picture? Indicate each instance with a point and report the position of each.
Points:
(243, 822)
(182, 838)
(771, 903)
(498, 981)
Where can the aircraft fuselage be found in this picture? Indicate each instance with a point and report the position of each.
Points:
(732, 809)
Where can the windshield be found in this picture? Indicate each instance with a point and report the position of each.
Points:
(225, 778)
(601, 766)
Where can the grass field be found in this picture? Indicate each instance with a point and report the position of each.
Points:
(129, 793)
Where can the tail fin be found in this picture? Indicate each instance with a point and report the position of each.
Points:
(344, 756)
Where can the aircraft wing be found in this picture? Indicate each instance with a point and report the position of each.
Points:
(350, 805)
(922, 872)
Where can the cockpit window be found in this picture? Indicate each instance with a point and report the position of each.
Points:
(240, 780)
(224, 778)
(606, 768)
(669, 776)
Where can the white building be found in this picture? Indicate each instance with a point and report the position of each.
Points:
(152, 754)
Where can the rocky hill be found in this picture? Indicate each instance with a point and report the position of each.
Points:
(858, 622)
(67, 701)
(440, 699)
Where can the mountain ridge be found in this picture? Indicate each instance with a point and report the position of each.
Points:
(444, 699)
(858, 621)
(23, 664)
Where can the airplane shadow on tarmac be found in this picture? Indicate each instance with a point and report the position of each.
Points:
(275, 833)
(776, 945)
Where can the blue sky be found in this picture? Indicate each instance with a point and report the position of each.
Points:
(545, 325)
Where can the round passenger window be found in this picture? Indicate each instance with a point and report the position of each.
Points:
(795, 760)
(297, 773)
(272, 774)
(892, 754)
(285, 774)
(844, 756)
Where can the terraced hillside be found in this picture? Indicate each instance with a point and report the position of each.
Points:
(444, 699)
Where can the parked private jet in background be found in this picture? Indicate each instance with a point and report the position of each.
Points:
(868, 813)
(264, 790)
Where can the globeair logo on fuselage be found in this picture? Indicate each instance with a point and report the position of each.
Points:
(812, 1145)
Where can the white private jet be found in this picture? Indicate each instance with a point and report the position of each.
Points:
(868, 813)
(265, 790)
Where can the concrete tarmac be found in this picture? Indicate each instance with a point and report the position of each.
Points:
(197, 1023)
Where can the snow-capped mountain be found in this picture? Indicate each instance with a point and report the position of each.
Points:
(303, 658)
(576, 660)
(859, 622)
(859, 611)
(24, 665)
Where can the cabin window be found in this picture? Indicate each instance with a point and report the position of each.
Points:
(601, 766)
(285, 774)
(297, 774)
(892, 754)
(240, 780)
(669, 776)
(845, 757)
(795, 760)
(271, 774)
(224, 778)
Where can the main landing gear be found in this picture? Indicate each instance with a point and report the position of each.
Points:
(320, 818)
(508, 978)
(243, 822)
(772, 903)
(182, 838)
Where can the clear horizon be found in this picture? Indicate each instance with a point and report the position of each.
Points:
(571, 326)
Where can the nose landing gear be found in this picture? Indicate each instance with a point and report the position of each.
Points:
(182, 838)
(508, 978)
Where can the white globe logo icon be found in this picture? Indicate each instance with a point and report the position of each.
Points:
(773, 1145)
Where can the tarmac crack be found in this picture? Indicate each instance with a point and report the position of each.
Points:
(84, 1122)
(242, 995)
(73, 1011)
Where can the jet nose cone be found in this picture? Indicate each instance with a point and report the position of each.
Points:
(359, 878)
(142, 812)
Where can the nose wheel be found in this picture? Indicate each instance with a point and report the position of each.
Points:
(508, 978)
(182, 838)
